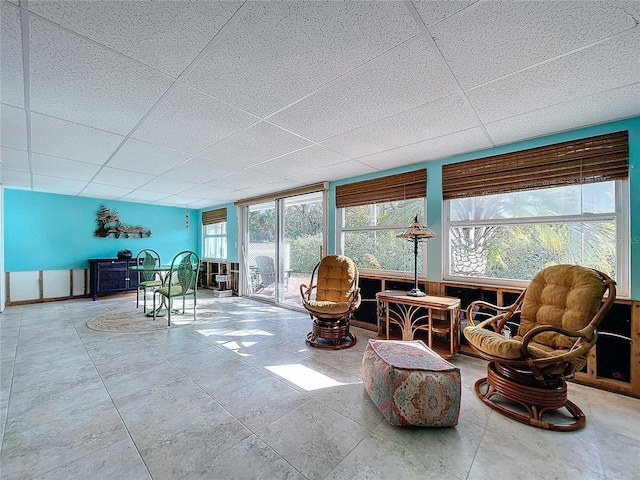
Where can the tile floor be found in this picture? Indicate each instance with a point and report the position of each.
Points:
(240, 396)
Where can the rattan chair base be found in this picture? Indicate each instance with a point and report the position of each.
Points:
(331, 335)
(538, 400)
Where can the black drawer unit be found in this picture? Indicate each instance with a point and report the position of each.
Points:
(111, 275)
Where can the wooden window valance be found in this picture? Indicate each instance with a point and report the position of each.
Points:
(214, 216)
(403, 186)
(588, 160)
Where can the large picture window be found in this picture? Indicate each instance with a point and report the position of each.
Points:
(214, 234)
(373, 212)
(570, 207)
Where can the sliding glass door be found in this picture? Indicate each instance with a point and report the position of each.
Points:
(284, 240)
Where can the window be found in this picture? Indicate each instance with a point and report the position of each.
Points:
(373, 212)
(214, 234)
(546, 216)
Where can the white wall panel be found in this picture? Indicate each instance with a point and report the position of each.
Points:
(24, 286)
(56, 283)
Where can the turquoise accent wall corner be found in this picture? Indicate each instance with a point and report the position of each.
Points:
(47, 231)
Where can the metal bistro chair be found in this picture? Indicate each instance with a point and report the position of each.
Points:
(147, 280)
(181, 281)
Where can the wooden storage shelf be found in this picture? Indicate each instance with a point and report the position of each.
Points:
(220, 276)
(613, 364)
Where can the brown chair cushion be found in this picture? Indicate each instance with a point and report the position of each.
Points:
(336, 277)
(565, 296)
(325, 307)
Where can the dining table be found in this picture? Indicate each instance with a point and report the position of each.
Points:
(163, 273)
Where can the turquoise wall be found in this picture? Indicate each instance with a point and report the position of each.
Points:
(48, 232)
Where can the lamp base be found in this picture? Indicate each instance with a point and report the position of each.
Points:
(416, 292)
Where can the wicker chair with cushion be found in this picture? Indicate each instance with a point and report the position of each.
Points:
(147, 280)
(559, 313)
(181, 281)
(331, 298)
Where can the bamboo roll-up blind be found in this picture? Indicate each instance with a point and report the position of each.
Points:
(588, 160)
(402, 186)
(214, 216)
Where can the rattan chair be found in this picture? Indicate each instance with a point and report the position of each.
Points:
(147, 280)
(331, 298)
(181, 281)
(559, 313)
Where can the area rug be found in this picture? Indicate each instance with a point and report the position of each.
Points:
(134, 321)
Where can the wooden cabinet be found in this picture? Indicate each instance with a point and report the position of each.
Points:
(221, 277)
(111, 275)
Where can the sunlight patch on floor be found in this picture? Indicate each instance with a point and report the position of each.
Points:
(304, 377)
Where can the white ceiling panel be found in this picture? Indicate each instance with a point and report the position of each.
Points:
(168, 186)
(164, 35)
(274, 186)
(242, 179)
(13, 127)
(403, 78)
(605, 66)
(435, 119)
(190, 121)
(177, 200)
(487, 40)
(256, 144)
(622, 103)
(317, 42)
(124, 178)
(15, 179)
(350, 168)
(441, 147)
(143, 196)
(67, 186)
(93, 86)
(208, 192)
(143, 157)
(58, 138)
(11, 66)
(433, 12)
(56, 167)
(200, 170)
(307, 159)
(13, 159)
(99, 190)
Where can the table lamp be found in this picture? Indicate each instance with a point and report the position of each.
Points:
(416, 232)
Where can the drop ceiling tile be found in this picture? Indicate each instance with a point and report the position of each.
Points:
(52, 136)
(621, 103)
(441, 147)
(317, 42)
(403, 78)
(143, 157)
(190, 121)
(93, 86)
(67, 186)
(164, 35)
(433, 13)
(13, 127)
(12, 78)
(491, 39)
(310, 158)
(243, 179)
(110, 192)
(602, 67)
(123, 178)
(208, 192)
(143, 196)
(13, 159)
(176, 201)
(256, 144)
(62, 167)
(432, 120)
(208, 204)
(200, 170)
(350, 168)
(15, 179)
(168, 186)
(268, 188)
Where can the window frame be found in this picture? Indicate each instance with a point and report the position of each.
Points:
(223, 236)
(620, 216)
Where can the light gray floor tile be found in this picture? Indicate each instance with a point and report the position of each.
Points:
(226, 377)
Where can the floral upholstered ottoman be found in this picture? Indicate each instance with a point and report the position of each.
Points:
(411, 384)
